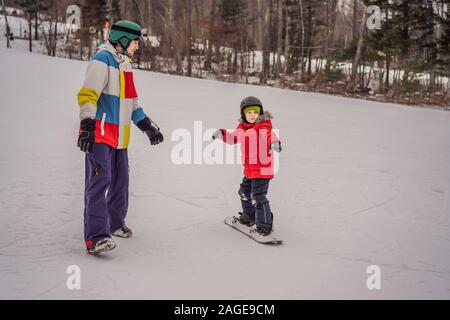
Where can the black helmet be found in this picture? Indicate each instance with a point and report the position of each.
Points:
(250, 102)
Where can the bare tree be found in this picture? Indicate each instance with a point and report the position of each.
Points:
(357, 58)
(7, 34)
(302, 54)
(210, 35)
(280, 5)
(49, 29)
(355, 16)
(287, 43)
(189, 41)
(311, 26)
(330, 24)
(266, 22)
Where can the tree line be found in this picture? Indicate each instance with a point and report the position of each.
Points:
(320, 45)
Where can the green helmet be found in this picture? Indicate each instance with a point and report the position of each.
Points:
(123, 32)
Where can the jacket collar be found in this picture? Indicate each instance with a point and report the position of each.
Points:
(120, 58)
(264, 117)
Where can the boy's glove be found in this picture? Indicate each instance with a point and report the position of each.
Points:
(153, 133)
(86, 138)
(276, 146)
(217, 134)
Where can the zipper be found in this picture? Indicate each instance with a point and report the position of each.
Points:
(102, 124)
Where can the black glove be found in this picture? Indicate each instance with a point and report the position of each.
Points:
(217, 134)
(276, 146)
(153, 133)
(86, 138)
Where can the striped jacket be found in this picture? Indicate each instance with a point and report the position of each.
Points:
(109, 96)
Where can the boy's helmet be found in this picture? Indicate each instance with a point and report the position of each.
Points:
(250, 102)
(123, 32)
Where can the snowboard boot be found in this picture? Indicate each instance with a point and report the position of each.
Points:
(245, 219)
(100, 245)
(123, 232)
(262, 229)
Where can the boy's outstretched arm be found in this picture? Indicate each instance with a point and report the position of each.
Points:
(227, 137)
(273, 136)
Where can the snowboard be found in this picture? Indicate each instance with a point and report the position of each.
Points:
(233, 222)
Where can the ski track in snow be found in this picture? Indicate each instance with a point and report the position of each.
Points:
(360, 183)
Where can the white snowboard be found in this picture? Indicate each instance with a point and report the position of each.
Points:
(233, 222)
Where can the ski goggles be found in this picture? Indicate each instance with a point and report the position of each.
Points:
(140, 35)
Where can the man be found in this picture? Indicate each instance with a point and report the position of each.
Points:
(108, 103)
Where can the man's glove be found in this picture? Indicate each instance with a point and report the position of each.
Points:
(276, 146)
(86, 138)
(153, 133)
(217, 134)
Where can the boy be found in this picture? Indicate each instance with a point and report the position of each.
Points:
(254, 133)
(108, 103)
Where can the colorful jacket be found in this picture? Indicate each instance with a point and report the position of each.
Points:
(255, 140)
(109, 96)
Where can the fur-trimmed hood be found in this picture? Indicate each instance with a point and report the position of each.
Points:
(264, 117)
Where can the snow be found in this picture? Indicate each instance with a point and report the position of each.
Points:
(18, 26)
(11, 10)
(360, 183)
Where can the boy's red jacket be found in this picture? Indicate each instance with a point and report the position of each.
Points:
(255, 139)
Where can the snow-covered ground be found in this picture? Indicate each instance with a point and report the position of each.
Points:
(360, 183)
(19, 28)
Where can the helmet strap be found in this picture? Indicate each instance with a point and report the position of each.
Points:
(124, 47)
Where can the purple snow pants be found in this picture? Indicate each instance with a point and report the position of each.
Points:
(106, 191)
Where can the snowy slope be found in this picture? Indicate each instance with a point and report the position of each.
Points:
(18, 26)
(360, 183)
